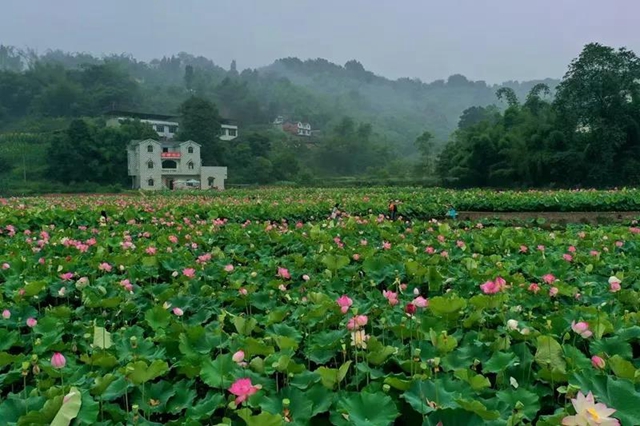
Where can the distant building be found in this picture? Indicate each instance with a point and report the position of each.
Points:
(165, 125)
(229, 131)
(155, 165)
(298, 129)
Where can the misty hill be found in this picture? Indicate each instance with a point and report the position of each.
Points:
(401, 109)
(60, 84)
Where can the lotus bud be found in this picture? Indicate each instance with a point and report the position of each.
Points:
(386, 388)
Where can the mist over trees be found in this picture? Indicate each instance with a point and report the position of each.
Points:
(582, 130)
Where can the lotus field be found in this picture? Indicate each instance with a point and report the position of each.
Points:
(258, 308)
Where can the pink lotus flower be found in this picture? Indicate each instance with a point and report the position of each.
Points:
(501, 283)
(243, 389)
(523, 249)
(490, 287)
(31, 322)
(173, 239)
(420, 302)
(104, 266)
(243, 291)
(548, 278)
(355, 257)
(553, 291)
(572, 249)
(588, 413)
(306, 277)
(228, 268)
(614, 284)
(6, 314)
(619, 243)
(238, 357)
(567, 257)
(284, 273)
(67, 276)
(391, 296)
(594, 253)
(178, 312)
(363, 242)
(581, 328)
(189, 272)
(429, 250)
(598, 362)
(58, 361)
(386, 245)
(460, 244)
(151, 250)
(6, 266)
(357, 322)
(345, 303)
(533, 287)
(282, 287)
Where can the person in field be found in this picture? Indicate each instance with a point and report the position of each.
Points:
(393, 210)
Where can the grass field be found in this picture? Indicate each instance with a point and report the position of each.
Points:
(255, 307)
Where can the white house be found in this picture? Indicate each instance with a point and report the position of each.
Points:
(228, 131)
(297, 129)
(165, 125)
(157, 165)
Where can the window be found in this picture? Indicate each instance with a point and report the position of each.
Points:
(150, 182)
(165, 149)
(169, 164)
(190, 150)
(150, 165)
(149, 148)
(190, 165)
(210, 181)
(233, 132)
(173, 129)
(159, 128)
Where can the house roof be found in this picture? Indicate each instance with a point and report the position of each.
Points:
(189, 141)
(138, 142)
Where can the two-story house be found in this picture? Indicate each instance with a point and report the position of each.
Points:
(169, 165)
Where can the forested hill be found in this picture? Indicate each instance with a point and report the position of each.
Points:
(400, 109)
(61, 84)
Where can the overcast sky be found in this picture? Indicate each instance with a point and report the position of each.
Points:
(492, 40)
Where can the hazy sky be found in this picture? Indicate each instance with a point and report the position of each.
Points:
(492, 40)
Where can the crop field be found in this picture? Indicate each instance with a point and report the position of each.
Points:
(256, 307)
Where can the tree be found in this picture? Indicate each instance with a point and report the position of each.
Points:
(188, 77)
(200, 122)
(509, 95)
(425, 145)
(70, 154)
(10, 59)
(597, 103)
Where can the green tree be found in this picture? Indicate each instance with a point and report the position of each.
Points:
(425, 145)
(200, 122)
(597, 103)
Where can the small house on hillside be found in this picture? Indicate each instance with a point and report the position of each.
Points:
(155, 165)
(297, 129)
